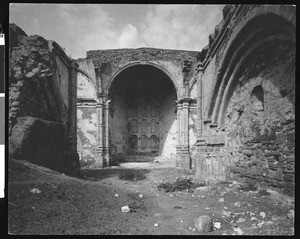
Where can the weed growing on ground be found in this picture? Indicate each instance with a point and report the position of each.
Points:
(132, 175)
(248, 187)
(263, 192)
(180, 184)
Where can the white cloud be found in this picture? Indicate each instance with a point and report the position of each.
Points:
(82, 27)
(129, 36)
(180, 26)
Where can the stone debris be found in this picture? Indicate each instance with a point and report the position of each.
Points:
(237, 204)
(221, 200)
(125, 209)
(141, 195)
(226, 214)
(260, 224)
(291, 214)
(241, 220)
(238, 231)
(156, 224)
(262, 214)
(35, 190)
(217, 225)
(251, 214)
(254, 219)
(203, 224)
(117, 195)
(207, 208)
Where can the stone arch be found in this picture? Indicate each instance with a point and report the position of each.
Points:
(147, 91)
(250, 35)
(84, 91)
(113, 77)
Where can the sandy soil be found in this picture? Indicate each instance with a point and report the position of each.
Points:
(87, 205)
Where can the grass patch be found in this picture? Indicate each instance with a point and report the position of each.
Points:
(180, 184)
(263, 192)
(248, 187)
(132, 175)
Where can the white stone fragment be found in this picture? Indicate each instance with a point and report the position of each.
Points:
(35, 190)
(262, 214)
(141, 195)
(217, 225)
(125, 209)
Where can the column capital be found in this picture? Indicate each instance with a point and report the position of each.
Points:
(185, 100)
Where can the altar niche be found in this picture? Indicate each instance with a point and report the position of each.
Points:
(142, 113)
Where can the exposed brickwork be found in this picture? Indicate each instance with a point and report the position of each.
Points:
(40, 87)
(252, 95)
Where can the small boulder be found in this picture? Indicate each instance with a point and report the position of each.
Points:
(221, 200)
(217, 225)
(141, 195)
(125, 209)
(262, 214)
(203, 224)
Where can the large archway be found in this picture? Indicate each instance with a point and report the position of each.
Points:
(142, 120)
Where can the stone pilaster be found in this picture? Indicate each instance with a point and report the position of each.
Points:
(179, 135)
(99, 146)
(183, 159)
(106, 134)
(200, 159)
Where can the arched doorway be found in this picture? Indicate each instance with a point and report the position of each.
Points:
(142, 119)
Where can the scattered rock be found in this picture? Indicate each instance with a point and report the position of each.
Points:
(226, 214)
(260, 224)
(241, 220)
(221, 200)
(234, 224)
(117, 195)
(262, 214)
(291, 214)
(156, 225)
(35, 190)
(238, 231)
(251, 214)
(237, 204)
(141, 195)
(217, 225)
(203, 224)
(207, 208)
(254, 219)
(125, 209)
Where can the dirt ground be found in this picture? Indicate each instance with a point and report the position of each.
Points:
(88, 205)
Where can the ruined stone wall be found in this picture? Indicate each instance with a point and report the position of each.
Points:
(87, 134)
(40, 88)
(249, 96)
(260, 122)
(111, 62)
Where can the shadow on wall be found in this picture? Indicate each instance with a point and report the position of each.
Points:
(142, 114)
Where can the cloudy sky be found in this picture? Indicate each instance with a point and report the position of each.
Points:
(82, 27)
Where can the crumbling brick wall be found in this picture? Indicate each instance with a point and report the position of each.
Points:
(249, 99)
(39, 93)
